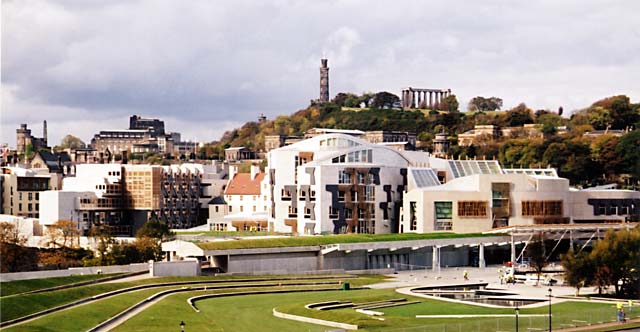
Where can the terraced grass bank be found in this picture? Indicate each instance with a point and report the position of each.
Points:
(23, 286)
(303, 241)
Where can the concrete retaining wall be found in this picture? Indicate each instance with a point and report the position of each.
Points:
(291, 262)
(315, 321)
(185, 268)
(139, 267)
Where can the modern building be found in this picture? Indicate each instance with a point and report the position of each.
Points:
(21, 189)
(479, 196)
(337, 183)
(124, 197)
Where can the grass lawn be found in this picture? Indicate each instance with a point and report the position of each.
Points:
(22, 305)
(21, 286)
(228, 234)
(301, 241)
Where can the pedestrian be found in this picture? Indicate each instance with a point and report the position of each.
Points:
(619, 315)
(465, 275)
(630, 305)
(624, 315)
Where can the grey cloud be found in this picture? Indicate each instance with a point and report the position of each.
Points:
(209, 61)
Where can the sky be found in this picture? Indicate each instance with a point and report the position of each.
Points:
(209, 66)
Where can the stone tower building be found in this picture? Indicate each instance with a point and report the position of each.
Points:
(324, 81)
(441, 145)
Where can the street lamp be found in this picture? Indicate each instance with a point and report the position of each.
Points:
(517, 310)
(549, 309)
(182, 324)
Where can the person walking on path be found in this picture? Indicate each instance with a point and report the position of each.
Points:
(465, 275)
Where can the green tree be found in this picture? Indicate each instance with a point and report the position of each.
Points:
(482, 104)
(629, 152)
(519, 116)
(149, 239)
(71, 142)
(384, 99)
(449, 104)
(617, 256)
(578, 269)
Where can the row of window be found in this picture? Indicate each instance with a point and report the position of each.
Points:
(241, 197)
(255, 209)
(29, 207)
(369, 194)
(360, 156)
(344, 177)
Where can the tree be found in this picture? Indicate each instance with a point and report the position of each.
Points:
(449, 104)
(384, 99)
(71, 142)
(519, 116)
(149, 239)
(617, 258)
(578, 269)
(14, 256)
(63, 233)
(627, 149)
(620, 109)
(101, 235)
(482, 104)
(537, 254)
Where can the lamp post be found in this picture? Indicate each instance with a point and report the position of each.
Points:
(182, 324)
(517, 310)
(549, 309)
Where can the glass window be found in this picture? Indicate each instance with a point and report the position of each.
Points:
(443, 210)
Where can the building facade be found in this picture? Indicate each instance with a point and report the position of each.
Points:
(336, 183)
(21, 189)
(466, 196)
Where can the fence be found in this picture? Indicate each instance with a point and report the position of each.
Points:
(564, 319)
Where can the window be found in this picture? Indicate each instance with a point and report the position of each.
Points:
(217, 209)
(369, 193)
(444, 213)
(340, 196)
(19, 206)
(230, 208)
(254, 208)
(360, 178)
(542, 208)
(472, 209)
(348, 213)
(30, 196)
(333, 212)
(29, 207)
(241, 197)
(412, 216)
(344, 177)
(241, 208)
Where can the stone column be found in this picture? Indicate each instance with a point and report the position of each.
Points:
(513, 252)
(481, 262)
(430, 99)
(435, 262)
(419, 99)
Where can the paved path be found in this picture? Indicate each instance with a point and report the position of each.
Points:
(594, 327)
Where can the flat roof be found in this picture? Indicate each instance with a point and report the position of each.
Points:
(527, 229)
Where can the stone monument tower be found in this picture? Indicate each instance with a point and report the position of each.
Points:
(324, 81)
(44, 133)
(441, 145)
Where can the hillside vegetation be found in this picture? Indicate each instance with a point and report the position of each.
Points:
(584, 160)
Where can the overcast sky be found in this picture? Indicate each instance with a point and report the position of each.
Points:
(208, 66)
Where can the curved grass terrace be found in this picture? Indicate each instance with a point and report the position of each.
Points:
(303, 241)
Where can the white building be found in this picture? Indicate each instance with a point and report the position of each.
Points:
(479, 196)
(20, 190)
(244, 205)
(337, 183)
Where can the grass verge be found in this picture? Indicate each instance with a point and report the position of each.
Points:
(22, 286)
(302, 241)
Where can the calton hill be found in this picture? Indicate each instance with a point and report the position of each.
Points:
(592, 146)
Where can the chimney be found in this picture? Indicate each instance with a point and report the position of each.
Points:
(44, 133)
(232, 171)
(255, 170)
(124, 156)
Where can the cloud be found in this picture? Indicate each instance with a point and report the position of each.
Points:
(202, 65)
